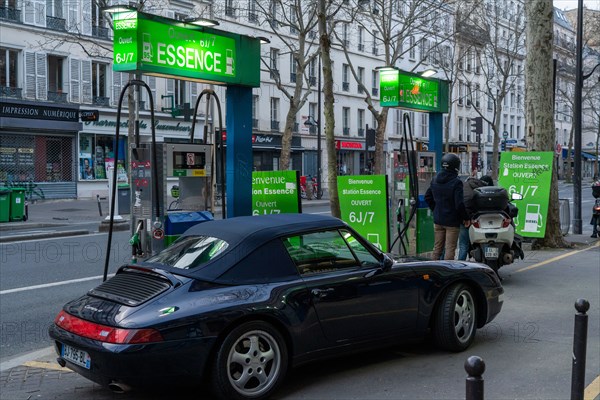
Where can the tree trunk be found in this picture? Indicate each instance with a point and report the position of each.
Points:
(540, 103)
(379, 167)
(569, 173)
(286, 138)
(325, 46)
(496, 141)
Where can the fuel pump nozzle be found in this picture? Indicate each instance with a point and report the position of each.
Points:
(135, 242)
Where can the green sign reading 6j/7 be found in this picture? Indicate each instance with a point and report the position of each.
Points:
(275, 192)
(529, 174)
(363, 205)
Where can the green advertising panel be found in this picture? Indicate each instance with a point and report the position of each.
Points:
(275, 192)
(363, 205)
(412, 91)
(529, 174)
(155, 45)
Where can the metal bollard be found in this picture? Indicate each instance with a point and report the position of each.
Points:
(475, 367)
(579, 349)
(99, 206)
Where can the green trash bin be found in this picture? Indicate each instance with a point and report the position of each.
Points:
(17, 204)
(4, 204)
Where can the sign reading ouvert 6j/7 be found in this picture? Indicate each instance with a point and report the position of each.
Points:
(159, 46)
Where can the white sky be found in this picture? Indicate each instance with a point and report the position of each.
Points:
(570, 4)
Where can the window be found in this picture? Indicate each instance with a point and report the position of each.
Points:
(360, 122)
(461, 127)
(255, 99)
(293, 20)
(252, 14)
(293, 68)
(412, 52)
(361, 79)
(312, 73)
(345, 40)
(275, 114)
(375, 44)
(346, 120)
(476, 97)
(518, 127)
(361, 38)
(424, 125)
(312, 111)
(478, 62)
(468, 129)
(375, 82)
(96, 153)
(8, 73)
(191, 252)
(99, 84)
(329, 251)
(397, 122)
(274, 58)
(461, 58)
(230, 8)
(345, 77)
(461, 93)
(55, 77)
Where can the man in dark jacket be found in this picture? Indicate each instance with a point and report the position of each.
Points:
(468, 187)
(445, 199)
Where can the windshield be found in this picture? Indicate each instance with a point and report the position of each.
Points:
(190, 252)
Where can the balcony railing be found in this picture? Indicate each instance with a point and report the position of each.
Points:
(11, 92)
(346, 131)
(312, 81)
(275, 126)
(293, 77)
(57, 97)
(375, 51)
(312, 130)
(252, 17)
(10, 14)
(101, 101)
(100, 32)
(254, 123)
(375, 91)
(230, 11)
(56, 24)
(345, 86)
(296, 127)
(361, 131)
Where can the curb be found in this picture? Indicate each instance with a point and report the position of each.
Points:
(32, 236)
(18, 226)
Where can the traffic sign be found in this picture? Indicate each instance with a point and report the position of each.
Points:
(505, 134)
(511, 141)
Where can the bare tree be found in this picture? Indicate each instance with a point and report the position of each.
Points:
(539, 103)
(395, 28)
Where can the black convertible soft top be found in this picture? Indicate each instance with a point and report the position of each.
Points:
(246, 234)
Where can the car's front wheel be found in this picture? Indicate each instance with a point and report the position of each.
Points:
(455, 319)
(250, 363)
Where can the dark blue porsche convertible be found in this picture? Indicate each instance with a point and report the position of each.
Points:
(242, 300)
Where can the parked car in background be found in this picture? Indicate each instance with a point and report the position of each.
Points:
(242, 300)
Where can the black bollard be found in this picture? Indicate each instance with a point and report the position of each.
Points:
(99, 206)
(475, 367)
(579, 349)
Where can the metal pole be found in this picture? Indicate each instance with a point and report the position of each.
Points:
(319, 185)
(579, 349)
(577, 229)
(475, 367)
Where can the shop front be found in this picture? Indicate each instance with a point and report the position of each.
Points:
(266, 152)
(98, 153)
(38, 148)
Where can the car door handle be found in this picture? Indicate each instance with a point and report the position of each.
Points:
(320, 293)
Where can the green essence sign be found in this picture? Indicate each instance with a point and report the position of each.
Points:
(160, 46)
(529, 174)
(275, 192)
(363, 205)
(406, 90)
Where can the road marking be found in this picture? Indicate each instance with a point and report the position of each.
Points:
(47, 285)
(51, 238)
(551, 260)
(593, 390)
(45, 365)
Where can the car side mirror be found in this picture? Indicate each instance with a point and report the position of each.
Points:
(516, 196)
(387, 262)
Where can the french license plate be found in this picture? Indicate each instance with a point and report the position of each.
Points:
(76, 356)
(491, 252)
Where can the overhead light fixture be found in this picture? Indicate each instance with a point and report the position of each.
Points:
(117, 8)
(428, 72)
(200, 21)
(263, 40)
(387, 68)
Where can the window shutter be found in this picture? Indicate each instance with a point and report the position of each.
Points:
(29, 12)
(40, 13)
(194, 94)
(86, 81)
(30, 86)
(117, 85)
(152, 85)
(75, 75)
(86, 23)
(40, 72)
(73, 16)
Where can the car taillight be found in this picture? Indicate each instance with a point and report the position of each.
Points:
(505, 222)
(476, 224)
(105, 333)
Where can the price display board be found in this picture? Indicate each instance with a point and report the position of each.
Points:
(363, 205)
(275, 192)
(529, 174)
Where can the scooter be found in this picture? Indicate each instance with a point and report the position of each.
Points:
(492, 230)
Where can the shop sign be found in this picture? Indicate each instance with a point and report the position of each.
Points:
(156, 45)
(363, 205)
(275, 192)
(342, 145)
(30, 111)
(530, 175)
(412, 91)
(159, 125)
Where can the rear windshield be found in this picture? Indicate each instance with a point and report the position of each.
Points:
(190, 252)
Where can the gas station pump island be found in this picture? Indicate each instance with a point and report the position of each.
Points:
(414, 169)
(153, 45)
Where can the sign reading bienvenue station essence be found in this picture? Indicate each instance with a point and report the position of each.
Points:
(407, 90)
(275, 192)
(363, 205)
(155, 45)
(529, 174)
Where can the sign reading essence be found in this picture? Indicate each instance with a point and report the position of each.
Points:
(406, 90)
(156, 45)
(363, 205)
(275, 192)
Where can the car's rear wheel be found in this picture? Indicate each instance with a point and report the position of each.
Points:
(250, 363)
(455, 319)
